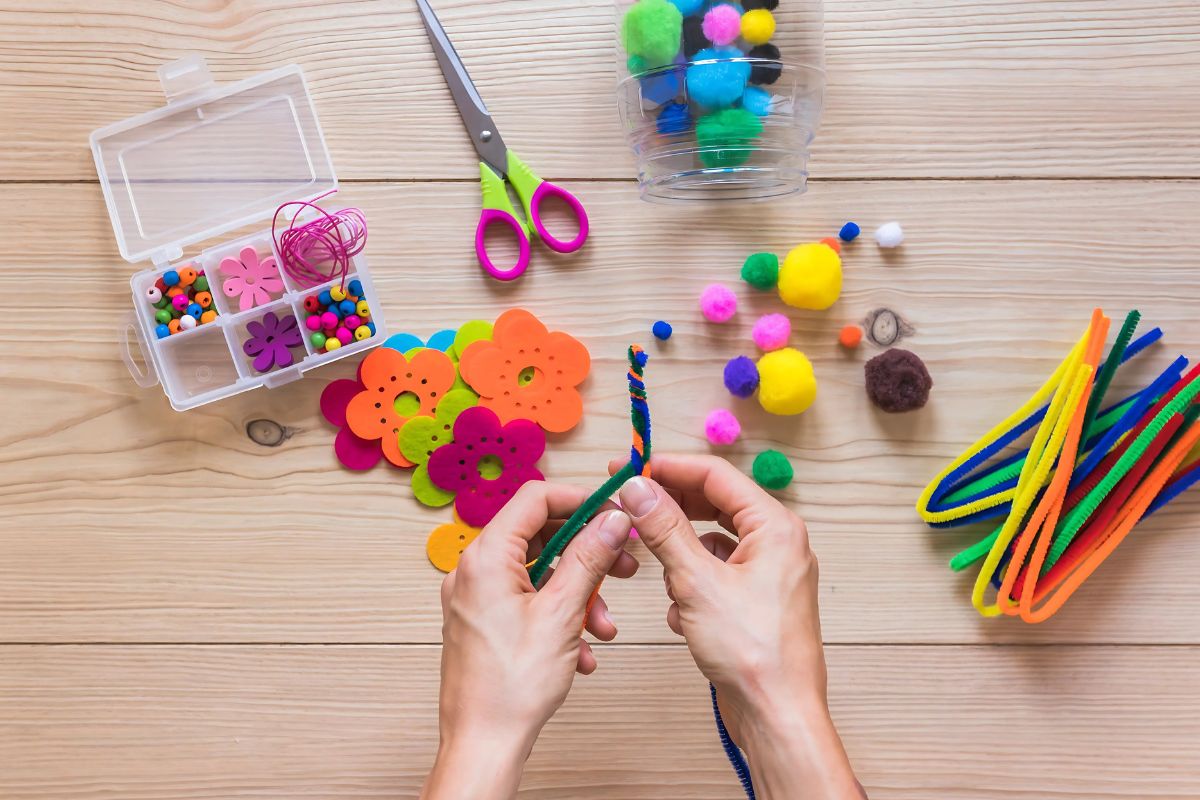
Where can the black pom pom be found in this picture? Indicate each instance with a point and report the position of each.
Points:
(765, 74)
(694, 39)
(769, 5)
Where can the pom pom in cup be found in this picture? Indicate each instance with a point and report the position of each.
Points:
(750, 83)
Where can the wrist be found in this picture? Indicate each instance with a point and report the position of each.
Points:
(478, 764)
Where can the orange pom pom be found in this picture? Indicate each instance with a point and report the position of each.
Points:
(850, 337)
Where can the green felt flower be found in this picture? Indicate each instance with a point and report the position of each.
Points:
(420, 436)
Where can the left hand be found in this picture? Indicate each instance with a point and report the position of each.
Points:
(510, 653)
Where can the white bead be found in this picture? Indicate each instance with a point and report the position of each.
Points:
(187, 322)
(153, 295)
(889, 235)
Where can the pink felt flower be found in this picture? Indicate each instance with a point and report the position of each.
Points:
(486, 463)
(252, 279)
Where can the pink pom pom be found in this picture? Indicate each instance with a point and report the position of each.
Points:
(722, 25)
(771, 332)
(718, 303)
(722, 427)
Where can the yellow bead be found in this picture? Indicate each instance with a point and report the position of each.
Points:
(811, 277)
(786, 384)
(332, 344)
(362, 332)
(338, 294)
(362, 309)
(758, 26)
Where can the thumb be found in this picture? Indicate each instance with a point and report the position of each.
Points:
(663, 526)
(588, 559)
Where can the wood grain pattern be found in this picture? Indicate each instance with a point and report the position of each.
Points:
(99, 482)
(159, 723)
(930, 89)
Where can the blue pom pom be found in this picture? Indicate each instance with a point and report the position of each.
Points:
(662, 330)
(721, 83)
(757, 101)
(688, 7)
(674, 118)
(324, 299)
(849, 232)
(741, 376)
(162, 331)
(661, 87)
(355, 287)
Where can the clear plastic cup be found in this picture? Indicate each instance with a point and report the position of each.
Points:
(722, 120)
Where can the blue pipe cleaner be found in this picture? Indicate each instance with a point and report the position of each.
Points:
(736, 759)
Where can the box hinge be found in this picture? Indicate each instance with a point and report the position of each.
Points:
(184, 77)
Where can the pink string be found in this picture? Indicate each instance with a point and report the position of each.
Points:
(319, 250)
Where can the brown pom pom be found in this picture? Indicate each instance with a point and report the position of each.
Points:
(898, 381)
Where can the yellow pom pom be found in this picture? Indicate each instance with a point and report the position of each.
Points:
(811, 277)
(787, 384)
(758, 26)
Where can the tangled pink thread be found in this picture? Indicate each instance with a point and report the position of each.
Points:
(319, 250)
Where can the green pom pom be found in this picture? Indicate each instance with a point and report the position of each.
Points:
(636, 65)
(653, 31)
(761, 270)
(772, 470)
(725, 137)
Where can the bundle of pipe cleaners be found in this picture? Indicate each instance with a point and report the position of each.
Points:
(1088, 477)
(320, 249)
(638, 464)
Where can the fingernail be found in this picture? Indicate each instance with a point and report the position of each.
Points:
(638, 497)
(614, 529)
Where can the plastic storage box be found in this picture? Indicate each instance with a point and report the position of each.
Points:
(213, 160)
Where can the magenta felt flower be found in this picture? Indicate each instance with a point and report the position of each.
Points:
(252, 279)
(486, 463)
(271, 341)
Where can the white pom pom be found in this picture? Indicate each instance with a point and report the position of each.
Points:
(890, 235)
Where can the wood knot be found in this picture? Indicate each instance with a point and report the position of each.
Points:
(267, 432)
(885, 327)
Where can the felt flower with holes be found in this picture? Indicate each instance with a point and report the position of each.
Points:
(252, 279)
(447, 543)
(395, 389)
(420, 436)
(486, 463)
(271, 341)
(527, 372)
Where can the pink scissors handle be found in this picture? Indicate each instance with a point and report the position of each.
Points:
(547, 189)
(486, 219)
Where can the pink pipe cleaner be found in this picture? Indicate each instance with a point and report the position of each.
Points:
(319, 250)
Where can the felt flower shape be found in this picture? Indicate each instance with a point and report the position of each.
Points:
(271, 339)
(447, 543)
(252, 279)
(353, 451)
(486, 463)
(527, 372)
(395, 389)
(420, 436)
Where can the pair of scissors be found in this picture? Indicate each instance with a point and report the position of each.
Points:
(499, 167)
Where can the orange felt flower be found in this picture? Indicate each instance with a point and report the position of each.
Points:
(527, 372)
(396, 389)
(447, 543)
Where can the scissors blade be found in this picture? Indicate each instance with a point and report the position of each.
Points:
(471, 107)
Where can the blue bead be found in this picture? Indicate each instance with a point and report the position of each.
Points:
(162, 331)
(195, 310)
(849, 232)
(371, 325)
(335, 309)
(347, 307)
(662, 330)
(674, 118)
(355, 287)
(324, 298)
(171, 278)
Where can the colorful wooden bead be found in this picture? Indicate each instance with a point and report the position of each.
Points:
(318, 340)
(187, 276)
(187, 322)
(173, 326)
(180, 301)
(352, 322)
(313, 323)
(355, 287)
(362, 309)
(203, 299)
(371, 325)
(207, 317)
(362, 332)
(194, 310)
(337, 294)
(153, 295)
(325, 298)
(201, 284)
(164, 302)
(332, 343)
(329, 320)
(344, 335)
(174, 291)
(161, 285)
(162, 331)
(162, 316)
(170, 278)
(346, 307)
(312, 304)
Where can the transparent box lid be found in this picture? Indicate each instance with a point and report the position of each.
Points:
(214, 159)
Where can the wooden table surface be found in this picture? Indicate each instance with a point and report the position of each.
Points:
(185, 613)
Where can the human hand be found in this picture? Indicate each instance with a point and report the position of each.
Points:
(748, 610)
(510, 653)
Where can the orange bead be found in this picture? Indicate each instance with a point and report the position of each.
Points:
(187, 276)
(173, 326)
(203, 299)
(207, 316)
(850, 337)
(174, 290)
(828, 241)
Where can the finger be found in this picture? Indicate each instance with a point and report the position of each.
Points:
(599, 623)
(586, 664)
(663, 526)
(694, 504)
(587, 559)
(626, 566)
(673, 619)
(719, 545)
(729, 490)
(523, 517)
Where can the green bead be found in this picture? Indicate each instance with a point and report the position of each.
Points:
(162, 316)
(318, 340)
(163, 303)
(772, 470)
(176, 313)
(761, 270)
(201, 284)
